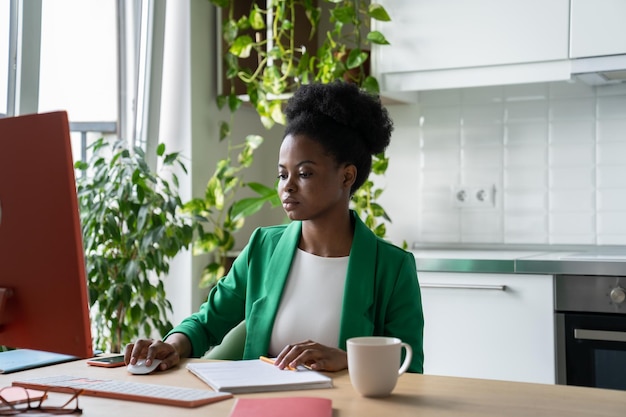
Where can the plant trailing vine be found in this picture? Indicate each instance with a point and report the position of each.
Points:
(264, 54)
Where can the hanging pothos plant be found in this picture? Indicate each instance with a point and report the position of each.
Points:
(265, 63)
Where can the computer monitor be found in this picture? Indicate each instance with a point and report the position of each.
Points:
(43, 287)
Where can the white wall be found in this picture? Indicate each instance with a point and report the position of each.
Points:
(554, 151)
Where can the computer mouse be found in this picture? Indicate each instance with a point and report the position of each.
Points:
(140, 367)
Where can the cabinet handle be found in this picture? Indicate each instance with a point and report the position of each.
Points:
(603, 335)
(465, 286)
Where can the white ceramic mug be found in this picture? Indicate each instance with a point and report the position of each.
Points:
(374, 364)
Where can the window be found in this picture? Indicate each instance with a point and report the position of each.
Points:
(72, 56)
(78, 67)
(5, 7)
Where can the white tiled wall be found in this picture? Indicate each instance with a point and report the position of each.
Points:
(556, 154)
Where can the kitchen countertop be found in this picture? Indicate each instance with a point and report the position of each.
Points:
(609, 261)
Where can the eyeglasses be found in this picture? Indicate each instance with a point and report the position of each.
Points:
(18, 400)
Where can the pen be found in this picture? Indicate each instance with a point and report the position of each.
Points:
(272, 361)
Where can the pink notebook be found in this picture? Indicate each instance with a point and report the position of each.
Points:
(282, 407)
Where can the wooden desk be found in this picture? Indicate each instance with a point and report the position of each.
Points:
(415, 395)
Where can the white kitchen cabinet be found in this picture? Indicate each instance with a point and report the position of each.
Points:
(459, 43)
(597, 28)
(493, 326)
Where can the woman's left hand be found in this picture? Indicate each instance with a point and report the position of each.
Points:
(314, 355)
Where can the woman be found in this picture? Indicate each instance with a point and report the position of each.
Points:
(305, 288)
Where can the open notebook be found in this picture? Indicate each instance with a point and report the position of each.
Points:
(254, 375)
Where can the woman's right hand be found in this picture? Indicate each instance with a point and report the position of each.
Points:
(169, 352)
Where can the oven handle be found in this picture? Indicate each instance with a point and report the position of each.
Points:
(602, 335)
(465, 286)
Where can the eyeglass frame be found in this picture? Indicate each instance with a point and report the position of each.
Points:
(14, 409)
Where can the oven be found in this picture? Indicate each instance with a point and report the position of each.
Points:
(591, 331)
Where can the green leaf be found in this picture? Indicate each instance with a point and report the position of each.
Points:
(141, 194)
(81, 165)
(377, 38)
(142, 217)
(136, 313)
(218, 194)
(207, 244)
(254, 141)
(241, 47)
(232, 65)
(224, 130)
(151, 309)
(228, 241)
(378, 12)
(234, 102)
(211, 274)
(343, 14)
(221, 101)
(261, 189)
(356, 58)
(131, 271)
(221, 168)
(370, 84)
(230, 183)
(267, 122)
(160, 149)
(171, 158)
(380, 164)
(380, 230)
(256, 18)
(246, 157)
(246, 207)
(230, 30)
(276, 110)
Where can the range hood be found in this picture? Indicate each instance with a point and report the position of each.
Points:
(601, 70)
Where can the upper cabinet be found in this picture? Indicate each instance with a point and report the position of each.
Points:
(598, 28)
(432, 35)
(459, 43)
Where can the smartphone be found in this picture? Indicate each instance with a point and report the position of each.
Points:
(107, 361)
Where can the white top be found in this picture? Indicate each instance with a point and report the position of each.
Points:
(310, 307)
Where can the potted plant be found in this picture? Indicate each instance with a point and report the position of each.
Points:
(132, 228)
(264, 63)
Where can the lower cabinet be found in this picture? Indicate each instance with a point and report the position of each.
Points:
(492, 326)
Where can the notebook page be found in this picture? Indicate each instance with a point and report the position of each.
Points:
(255, 376)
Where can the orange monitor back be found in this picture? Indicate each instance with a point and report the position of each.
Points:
(43, 287)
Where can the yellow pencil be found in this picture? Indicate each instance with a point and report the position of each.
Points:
(272, 361)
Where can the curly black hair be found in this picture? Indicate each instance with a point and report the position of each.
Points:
(351, 124)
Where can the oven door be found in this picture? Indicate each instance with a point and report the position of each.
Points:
(592, 350)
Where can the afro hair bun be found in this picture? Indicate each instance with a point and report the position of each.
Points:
(348, 106)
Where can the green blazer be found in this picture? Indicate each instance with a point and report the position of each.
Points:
(382, 295)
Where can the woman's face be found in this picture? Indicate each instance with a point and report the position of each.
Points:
(310, 183)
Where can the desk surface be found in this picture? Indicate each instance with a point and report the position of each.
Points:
(423, 395)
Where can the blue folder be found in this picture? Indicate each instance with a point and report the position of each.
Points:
(22, 359)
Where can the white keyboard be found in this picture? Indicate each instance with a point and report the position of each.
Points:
(124, 390)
